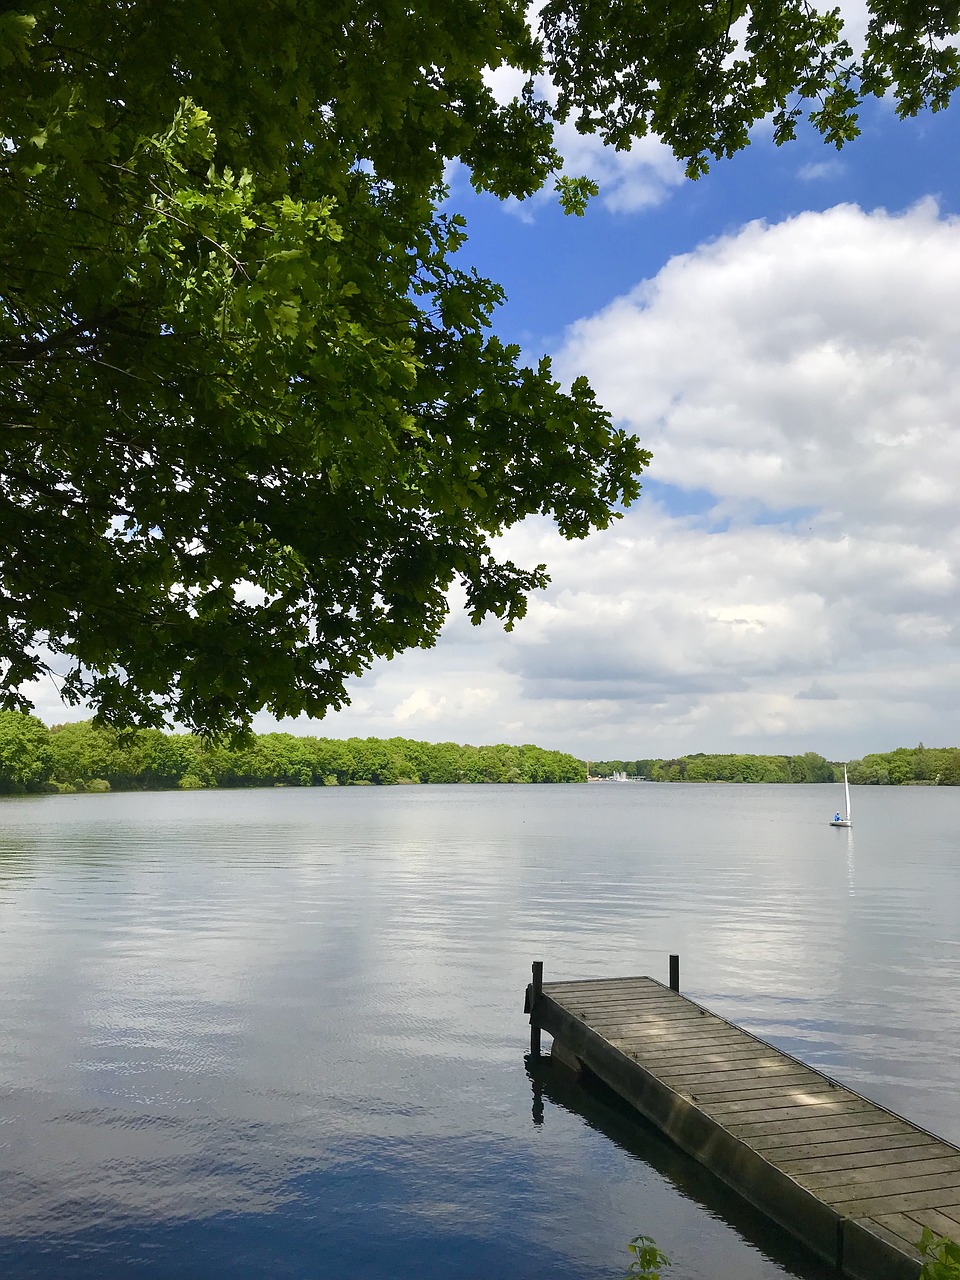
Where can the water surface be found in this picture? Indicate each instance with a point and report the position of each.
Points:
(280, 1033)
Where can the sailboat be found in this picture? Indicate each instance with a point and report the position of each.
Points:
(844, 819)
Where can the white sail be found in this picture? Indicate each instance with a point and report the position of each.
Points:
(844, 820)
(846, 795)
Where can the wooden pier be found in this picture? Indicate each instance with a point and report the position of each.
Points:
(853, 1181)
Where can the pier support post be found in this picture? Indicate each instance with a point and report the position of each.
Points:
(536, 989)
(674, 973)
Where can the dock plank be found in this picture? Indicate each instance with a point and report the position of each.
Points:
(944, 1221)
(768, 1143)
(762, 1128)
(715, 1057)
(902, 1226)
(902, 1174)
(816, 1106)
(854, 1181)
(837, 1146)
(724, 1087)
(876, 1206)
(865, 1157)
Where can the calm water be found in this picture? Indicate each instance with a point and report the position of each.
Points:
(280, 1033)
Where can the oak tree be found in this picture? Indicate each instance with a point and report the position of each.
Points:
(254, 417)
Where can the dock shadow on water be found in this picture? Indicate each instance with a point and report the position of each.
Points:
(586, 1097)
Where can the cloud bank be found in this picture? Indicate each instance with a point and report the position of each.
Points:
(789, 579)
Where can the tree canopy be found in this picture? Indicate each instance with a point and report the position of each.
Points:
(254, 419)
(906, 766)
(24, 752)
(700, 767)
(82, 756)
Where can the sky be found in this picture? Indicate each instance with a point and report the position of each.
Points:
(783, 334)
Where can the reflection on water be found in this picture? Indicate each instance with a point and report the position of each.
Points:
(851, 863)
(280, 1032)
(601, 1109)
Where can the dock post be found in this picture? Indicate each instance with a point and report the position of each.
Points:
(674, 973)
(536, 989)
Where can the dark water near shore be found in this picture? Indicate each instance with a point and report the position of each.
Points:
(280, 1033)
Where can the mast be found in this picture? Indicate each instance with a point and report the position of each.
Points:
(846, 794)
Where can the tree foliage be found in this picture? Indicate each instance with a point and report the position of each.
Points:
(929, 766)
(701, 75)
(82, 753)
(648, 1260)
(906, 766)
(941, 1256)
(24, 753)
(809, 767)
(254, 421)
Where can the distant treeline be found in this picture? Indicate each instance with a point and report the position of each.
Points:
(933, 766)
(83, 757)
(721, 768)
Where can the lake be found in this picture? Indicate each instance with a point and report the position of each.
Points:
(280, 1032)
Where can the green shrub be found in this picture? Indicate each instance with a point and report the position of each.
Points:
(647, 1259)
(941, 1257)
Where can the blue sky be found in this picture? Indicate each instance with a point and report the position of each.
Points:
(556, 269)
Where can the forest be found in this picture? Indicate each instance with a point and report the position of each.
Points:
(906, 766)
(82, 756)
(809, 767)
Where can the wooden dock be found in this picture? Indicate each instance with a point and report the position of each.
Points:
(853, 1181)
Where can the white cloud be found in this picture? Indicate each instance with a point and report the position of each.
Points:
(821, 169)
(425, 705)
(807, 363)
(803, 376)
(421, 704)
(629, 181)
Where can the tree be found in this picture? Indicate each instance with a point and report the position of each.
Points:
(700, 75)
(24, 752)
(253, 419)
(81, 751)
